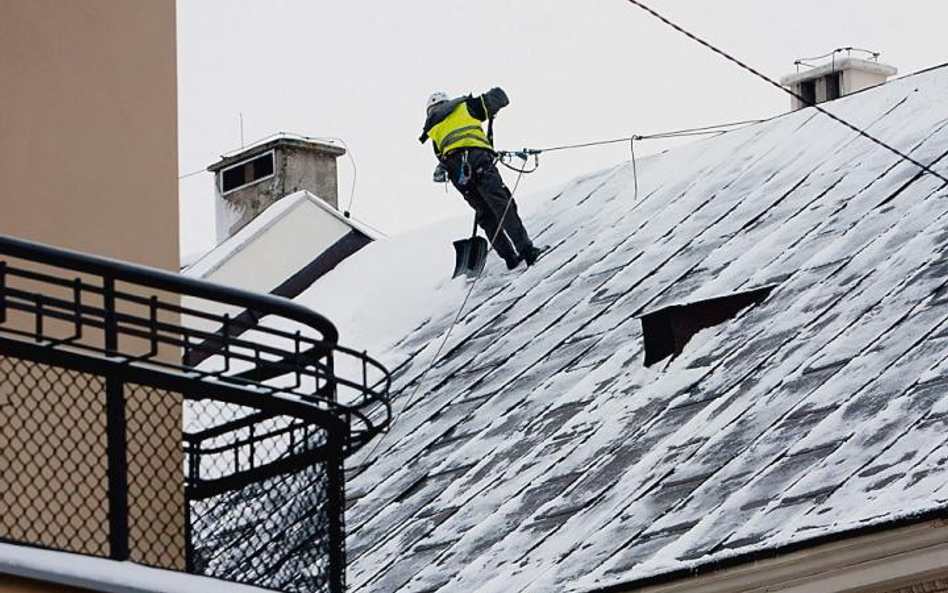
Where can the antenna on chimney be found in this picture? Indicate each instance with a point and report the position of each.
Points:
(242, 145)
(842, 75)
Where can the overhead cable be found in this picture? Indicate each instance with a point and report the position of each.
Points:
(192, 174)
(790, 92)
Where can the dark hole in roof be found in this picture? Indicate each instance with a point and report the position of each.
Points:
(667, 331)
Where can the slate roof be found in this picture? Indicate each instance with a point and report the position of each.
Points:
(540, 454)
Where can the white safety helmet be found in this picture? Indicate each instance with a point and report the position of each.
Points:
(435, 98)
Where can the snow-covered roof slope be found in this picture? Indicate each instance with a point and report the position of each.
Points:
(540, 455)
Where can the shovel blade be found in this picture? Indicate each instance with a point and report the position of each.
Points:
(470, 255)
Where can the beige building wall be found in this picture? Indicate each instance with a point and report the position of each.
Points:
(88, 126)
(12, 584)
(88, 161)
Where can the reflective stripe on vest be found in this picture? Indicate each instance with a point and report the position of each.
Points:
(458, 130)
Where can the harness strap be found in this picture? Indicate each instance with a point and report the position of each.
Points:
(490, 122)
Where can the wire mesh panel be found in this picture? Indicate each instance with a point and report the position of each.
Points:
(53, 463)
(274, 533)
(278, 531)
(156, 518)
(265, 489)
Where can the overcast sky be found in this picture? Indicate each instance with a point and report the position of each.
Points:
(575, 70)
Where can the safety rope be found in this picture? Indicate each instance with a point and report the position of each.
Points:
(505, 156)
(457, 317)
(635, 169)
(790, 92)
(502, 158)
(687, 132)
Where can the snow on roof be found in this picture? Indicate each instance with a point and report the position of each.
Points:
(103, 574)
(216, 257)
(540, 455)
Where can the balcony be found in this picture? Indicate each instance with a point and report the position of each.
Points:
(137, 429)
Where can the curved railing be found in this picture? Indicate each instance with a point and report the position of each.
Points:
(295, 352)
(96, 357)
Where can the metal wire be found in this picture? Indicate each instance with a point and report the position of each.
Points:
(635, 169)
(520, 173)
(803, 61)
(192, 174)
(702, 131)
(790, 92)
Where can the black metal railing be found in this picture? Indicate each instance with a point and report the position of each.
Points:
(252, 438)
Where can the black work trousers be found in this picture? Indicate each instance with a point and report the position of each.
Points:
(488, 196)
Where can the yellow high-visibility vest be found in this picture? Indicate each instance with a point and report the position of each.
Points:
(458, 130)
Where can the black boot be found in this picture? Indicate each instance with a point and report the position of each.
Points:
(531, 254)
(512, 262)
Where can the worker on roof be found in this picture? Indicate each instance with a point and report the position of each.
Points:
(466, 156)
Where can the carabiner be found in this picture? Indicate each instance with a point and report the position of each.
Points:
(464, 174)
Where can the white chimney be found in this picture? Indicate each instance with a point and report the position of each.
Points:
(250, 180)
(843, 75)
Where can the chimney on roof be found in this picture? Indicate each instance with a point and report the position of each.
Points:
(842, 75)
(250, 180)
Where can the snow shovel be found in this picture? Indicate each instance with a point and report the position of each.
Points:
(470, 255)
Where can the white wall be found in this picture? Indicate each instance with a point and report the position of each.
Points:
(281, 250)
(271, 256)
(857, 80)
